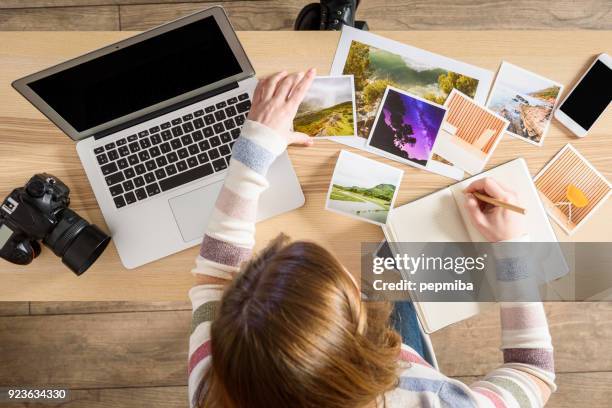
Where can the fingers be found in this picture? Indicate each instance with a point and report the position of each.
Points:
(298, 138)
(302, 86)
(285, 86)
(473, 208)
(258, 91)
(269, 85)
(489, 186)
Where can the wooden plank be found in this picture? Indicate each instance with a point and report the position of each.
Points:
(77, 3)
(56, 308)
(576, 390)
(60, 19)
(105, 350)
(260, 15)
(150, 397)
(397, 14)
(471, 347)
(14, 308)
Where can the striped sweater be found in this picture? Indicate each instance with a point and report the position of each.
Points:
(524, 380)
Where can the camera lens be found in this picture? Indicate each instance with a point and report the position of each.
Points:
(76, 241)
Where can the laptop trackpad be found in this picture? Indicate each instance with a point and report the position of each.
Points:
(192, 210)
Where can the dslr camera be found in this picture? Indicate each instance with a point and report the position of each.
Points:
(39, 212)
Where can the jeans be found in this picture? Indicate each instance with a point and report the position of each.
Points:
(404, 320)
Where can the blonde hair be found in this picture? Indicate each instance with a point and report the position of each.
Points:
(291, 331)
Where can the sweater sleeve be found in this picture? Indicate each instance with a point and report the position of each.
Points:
(229, 237)
(527, 376)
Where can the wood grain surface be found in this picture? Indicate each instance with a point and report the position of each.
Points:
(269, 14)
(102, 350)
(14, 308)
(136, 397)
(137, 349)
(575, 390)
(21, 4)
(58, 18)
(397, 14)
(138, 359)
(31, 144)
(63, 308)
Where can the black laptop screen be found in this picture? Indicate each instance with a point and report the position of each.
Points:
(140, 75)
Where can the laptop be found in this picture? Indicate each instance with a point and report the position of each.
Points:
(155, 117)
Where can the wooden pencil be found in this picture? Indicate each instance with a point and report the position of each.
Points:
(493, 201)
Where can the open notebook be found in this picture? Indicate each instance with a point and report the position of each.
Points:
(441, 217)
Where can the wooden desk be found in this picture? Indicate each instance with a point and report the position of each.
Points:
(30, 143)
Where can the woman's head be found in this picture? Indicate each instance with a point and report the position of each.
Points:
(291, 331)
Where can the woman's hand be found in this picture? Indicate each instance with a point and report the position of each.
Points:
(494, 223)
(276, 100)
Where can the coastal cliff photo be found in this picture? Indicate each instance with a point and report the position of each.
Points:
(526, 100)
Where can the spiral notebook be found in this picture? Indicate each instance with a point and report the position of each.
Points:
(441, 217)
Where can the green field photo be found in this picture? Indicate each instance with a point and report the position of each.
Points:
(363, 188)
(328, 108)
(379, 195)
(374, 69)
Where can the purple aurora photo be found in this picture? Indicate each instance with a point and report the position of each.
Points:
(407, 127)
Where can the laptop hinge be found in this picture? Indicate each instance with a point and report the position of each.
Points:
(167, 109)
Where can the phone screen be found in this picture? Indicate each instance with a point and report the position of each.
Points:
(590, 97)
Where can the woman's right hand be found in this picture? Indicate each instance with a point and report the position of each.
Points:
(494, 223)
(276, 101)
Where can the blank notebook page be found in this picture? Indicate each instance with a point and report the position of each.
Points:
(434, 218)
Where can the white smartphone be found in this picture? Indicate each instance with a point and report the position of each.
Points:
(589, 98)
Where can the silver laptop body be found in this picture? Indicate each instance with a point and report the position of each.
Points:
(155, 117)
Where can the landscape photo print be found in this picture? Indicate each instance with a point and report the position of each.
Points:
(526, 100)
(363, 188)
(328, 109)
(377, 62)
(406, 127)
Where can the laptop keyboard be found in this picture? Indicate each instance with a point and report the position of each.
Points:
(174, 153)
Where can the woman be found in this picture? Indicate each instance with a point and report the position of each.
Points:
(288, 328)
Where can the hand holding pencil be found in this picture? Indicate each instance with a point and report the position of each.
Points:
(494, 210)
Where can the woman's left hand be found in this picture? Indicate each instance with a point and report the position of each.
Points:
(276, 101)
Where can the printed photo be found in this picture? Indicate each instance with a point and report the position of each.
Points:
(328, 108)
(376, 63)
(526, 100)
(406, 127)
(363, 188)
(571, 189)
(469, 135)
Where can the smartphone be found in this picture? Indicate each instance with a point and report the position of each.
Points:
(588, 99)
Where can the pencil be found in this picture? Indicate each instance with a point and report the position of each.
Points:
(496, 202)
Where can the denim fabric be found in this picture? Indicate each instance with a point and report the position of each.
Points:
(405, 321)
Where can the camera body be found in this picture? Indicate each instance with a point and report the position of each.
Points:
(39, 212)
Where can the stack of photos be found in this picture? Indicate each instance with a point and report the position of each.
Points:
(377, 62)
(470, 133)
(571, 189)
(363, 188)
(526, 100)
(328, 109)
(406, 128)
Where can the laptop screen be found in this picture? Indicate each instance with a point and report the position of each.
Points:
(140, 75)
